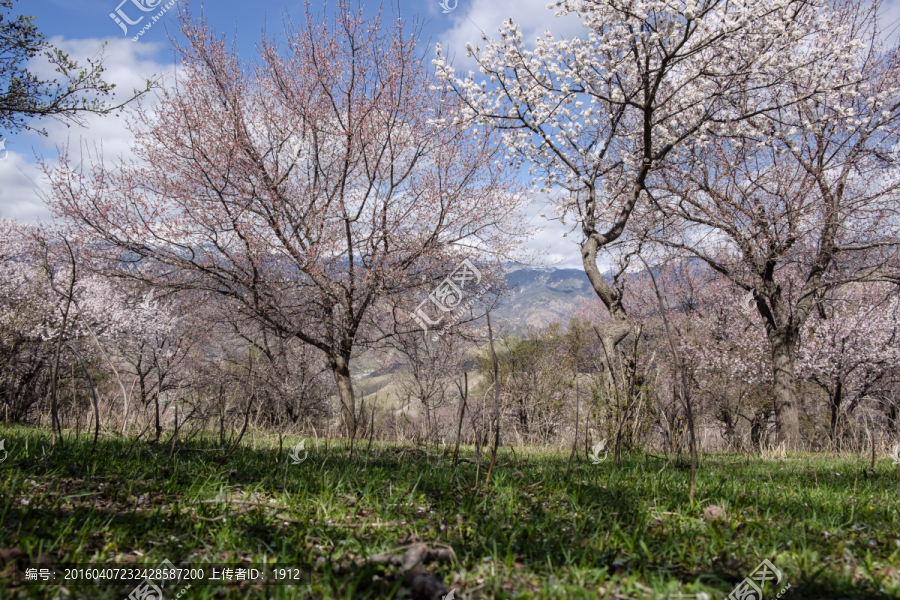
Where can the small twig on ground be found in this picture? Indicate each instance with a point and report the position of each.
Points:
(246, 502)
(210, 520)
(355, 525)
(414, 555)
(286, 518)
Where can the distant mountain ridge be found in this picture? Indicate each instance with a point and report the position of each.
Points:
(539, 297)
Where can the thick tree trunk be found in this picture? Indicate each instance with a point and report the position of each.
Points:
(727, 418)
(757, 426)
(156, 402)
(340, 366)
(523, 416)
(836, 408)
(156, 406)
(787, 420)
(619, 326)
(143, 384)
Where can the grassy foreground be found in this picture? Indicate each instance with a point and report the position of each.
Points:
(534, 532)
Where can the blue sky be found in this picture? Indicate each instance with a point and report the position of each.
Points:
(89, 19)
(81, 27)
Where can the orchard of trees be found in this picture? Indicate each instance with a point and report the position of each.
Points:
(730, 169)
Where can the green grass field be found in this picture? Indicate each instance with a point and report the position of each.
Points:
(535, 531)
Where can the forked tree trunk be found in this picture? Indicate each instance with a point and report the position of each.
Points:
(782, 346)
(55, 426)
(619, 326)
(463, 396)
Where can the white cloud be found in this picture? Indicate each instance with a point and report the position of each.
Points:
(19, 183)
(560, 252)
(556, 244)
(466, 23)
(889, 20)
(128, 65)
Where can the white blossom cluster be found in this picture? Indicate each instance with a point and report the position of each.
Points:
(648, 77)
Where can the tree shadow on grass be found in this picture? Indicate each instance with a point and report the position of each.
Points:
(532, 522)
